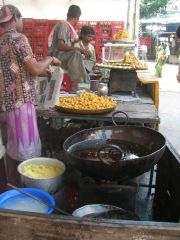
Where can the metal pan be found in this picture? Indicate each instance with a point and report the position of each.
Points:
(114, 152)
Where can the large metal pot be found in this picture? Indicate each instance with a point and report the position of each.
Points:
(114, 152)
(50, 184)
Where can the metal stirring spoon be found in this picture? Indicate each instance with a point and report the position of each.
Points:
(38, 199)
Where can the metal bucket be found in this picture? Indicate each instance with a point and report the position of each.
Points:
(51, 184)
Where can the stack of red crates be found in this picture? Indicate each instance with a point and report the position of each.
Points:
(28, 29)
(41, 33)
(116, 26)
(37, 31)
(103, 34)
(79, 25)
(93, 24)
(52, 23)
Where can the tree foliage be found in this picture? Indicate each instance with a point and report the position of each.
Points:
(149, 8)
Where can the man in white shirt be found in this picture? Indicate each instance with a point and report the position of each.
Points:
(85, 38)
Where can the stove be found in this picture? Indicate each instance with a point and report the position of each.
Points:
(122, 81)
(79, 191)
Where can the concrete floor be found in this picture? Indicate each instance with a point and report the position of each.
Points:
(169, 112)
(169, 104)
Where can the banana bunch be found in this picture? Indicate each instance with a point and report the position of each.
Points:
(121, 34)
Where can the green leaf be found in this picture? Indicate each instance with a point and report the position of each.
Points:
(149, 8)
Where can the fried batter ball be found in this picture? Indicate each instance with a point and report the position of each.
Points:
(87, 101)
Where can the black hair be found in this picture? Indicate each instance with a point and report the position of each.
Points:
(178, 32)
(85, 30)
(14, 12)
(74, 11)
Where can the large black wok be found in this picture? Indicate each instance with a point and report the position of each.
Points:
(114, 152)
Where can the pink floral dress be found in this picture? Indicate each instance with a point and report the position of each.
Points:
(17, 97)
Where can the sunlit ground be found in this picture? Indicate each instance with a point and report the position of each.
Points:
(169, 104)
(168, 81)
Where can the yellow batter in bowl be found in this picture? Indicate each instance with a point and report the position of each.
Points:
(41, 171)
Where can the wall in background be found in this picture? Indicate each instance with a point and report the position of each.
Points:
(109, 10)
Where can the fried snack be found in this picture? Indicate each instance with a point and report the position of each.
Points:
(121, 34)
(130, 58)
(134, 62)
(87, 101)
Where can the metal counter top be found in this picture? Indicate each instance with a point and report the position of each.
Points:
(142, 111)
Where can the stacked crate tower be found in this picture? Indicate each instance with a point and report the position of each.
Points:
(37, 31)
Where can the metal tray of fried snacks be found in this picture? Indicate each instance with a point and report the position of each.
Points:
(85, 111)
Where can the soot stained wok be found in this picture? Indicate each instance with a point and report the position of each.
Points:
(114, 152)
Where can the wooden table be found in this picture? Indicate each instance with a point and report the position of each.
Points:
(152, 84)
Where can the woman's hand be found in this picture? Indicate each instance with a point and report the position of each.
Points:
(46, 73)
(55, 61)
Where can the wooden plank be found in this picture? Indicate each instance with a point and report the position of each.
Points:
(167, 194)
(146, 78)
(144, 98)
(18, 226)
(137, 112)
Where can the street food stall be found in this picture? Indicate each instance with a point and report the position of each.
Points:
(99, 182)
(113, 159)
(77, 191)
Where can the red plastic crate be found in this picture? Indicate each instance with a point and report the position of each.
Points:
(28, 30)
(28, 26)
(117, 24)
(39, 49)
(104, 24)
(93, 24)
(40, 54)
(146, 41)
(28, 21)
(41, 22)
(115, 30)
(101, 33)
(81, 23)
(101, 41)
(43, 37)
(40, 44)
(41, 30)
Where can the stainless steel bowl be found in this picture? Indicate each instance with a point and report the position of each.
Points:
(104, 211)
(51, 184)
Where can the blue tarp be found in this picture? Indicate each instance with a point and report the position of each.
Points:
(171, 28)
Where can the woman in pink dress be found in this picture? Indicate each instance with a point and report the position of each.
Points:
(18, 68)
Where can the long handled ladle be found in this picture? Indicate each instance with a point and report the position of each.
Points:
(38, 199)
